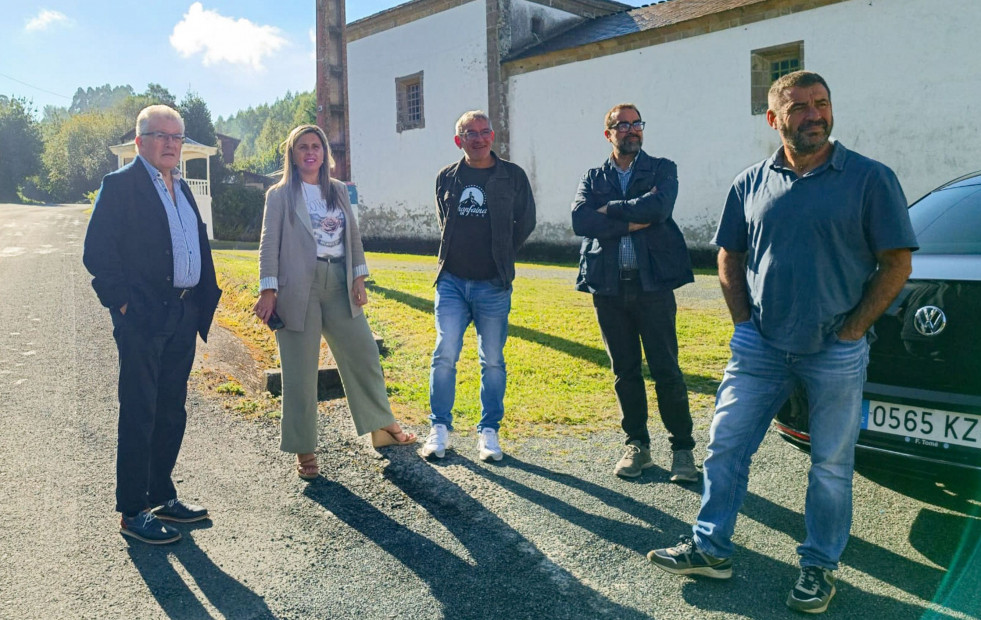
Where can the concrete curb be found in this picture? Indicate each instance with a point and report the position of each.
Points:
(328, 378)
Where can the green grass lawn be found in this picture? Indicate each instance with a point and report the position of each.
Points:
(559, 379)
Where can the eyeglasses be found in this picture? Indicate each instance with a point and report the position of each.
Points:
(165, 137)
(469, 136)
(624, 127)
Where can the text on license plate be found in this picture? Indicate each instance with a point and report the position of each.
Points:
(963, 429)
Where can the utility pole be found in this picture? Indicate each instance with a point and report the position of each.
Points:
(332, 114)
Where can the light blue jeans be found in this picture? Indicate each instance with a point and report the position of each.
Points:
(757, 381)
(459, 302)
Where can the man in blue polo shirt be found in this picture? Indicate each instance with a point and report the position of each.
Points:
(815, 243)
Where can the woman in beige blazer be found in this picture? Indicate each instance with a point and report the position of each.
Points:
(311, 275)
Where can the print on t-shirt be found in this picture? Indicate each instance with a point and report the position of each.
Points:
(473, 203)
(328, 226)
(327, 221)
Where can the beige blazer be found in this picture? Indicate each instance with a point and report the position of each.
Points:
(288, 250)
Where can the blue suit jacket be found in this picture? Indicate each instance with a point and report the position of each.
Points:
(128, 251)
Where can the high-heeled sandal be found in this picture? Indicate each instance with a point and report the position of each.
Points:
(381, 438)
(308, 469)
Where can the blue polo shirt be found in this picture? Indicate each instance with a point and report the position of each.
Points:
(810, 241)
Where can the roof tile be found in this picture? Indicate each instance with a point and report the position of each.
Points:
(649, 17)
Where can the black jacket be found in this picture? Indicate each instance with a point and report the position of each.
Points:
(509, 202)
(128, 251)
(662, 255)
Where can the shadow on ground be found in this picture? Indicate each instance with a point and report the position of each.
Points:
(593, 355)
(176, 598)
(524, 582)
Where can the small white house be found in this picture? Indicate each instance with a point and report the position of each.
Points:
(201, 188)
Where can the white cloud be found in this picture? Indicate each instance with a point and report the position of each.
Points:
(313, 44)
(224, 39)
(44, 19)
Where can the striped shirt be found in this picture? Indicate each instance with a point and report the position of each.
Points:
(183, 228)
(628, 257)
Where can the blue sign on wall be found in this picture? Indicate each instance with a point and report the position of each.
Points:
(352, 192)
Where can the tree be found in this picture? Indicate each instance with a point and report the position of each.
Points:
(99, 98)
(77, 156)
(76, 140)
(155, 94)
(20, 146)
(53, 114)
(305, 110)
(197, 119)
(158, 94)
(262, 129)
(198, 127)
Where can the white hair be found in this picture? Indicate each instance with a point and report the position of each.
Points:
(156, 111)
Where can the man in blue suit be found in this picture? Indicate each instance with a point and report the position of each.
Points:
(147, 250)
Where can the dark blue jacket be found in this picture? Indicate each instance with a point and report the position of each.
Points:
(662, 255)
(128, 251)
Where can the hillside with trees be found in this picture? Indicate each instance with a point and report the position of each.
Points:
(63, 156)
(262, 129)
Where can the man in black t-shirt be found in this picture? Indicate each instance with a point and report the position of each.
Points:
(485, 210)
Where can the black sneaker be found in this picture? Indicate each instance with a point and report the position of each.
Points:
(147, 527)
(686, 559)
(814, 590)
(181, 512)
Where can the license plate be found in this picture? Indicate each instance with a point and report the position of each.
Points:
(925, 426)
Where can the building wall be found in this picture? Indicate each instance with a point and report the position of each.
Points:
(905, 77)
(396, 172)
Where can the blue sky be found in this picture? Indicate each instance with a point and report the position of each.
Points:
(234, 53)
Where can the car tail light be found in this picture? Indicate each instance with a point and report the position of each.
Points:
(793, 433)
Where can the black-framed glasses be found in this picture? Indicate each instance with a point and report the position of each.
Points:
(473, 135)
(165, 137)
(624, 127)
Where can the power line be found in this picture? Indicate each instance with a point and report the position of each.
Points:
(43, 90)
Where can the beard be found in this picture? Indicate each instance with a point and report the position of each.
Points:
(630, 145)
(801, 143)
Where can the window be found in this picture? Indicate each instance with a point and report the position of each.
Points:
(948, 221)
(409, 103)
(768, 64)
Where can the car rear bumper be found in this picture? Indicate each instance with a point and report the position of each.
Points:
(897, 452)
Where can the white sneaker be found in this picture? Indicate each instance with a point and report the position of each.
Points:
(437, 441)
(488, 445)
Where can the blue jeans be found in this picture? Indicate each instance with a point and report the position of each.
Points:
(757, 381)
(459, 302)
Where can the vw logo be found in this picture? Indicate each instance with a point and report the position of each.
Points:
(929, 321)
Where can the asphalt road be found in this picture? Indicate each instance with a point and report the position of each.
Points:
(548, 533)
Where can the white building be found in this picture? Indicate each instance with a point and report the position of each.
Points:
(905, 77)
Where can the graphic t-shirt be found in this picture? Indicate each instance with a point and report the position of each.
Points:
(327, 222)
(469, 255)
